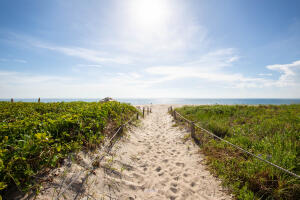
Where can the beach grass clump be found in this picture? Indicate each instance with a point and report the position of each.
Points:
(269, 131)
(35, 137)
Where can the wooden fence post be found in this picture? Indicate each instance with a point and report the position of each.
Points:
(143, 112)
(192, 129)
(137, 116)
(11, 100)
(39, 100)
(150, 110)
(193, 135)
(174, 115)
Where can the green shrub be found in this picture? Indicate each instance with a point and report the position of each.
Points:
(272, 132)
(37, 136)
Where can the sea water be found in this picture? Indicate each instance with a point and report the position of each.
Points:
(200, 101)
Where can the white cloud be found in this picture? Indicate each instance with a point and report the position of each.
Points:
(13, 60)
(208, 67)
(151, 83)
(215, 59)
(264, 74)
(212, 68)
(23, 85)
(87, 54)
(15, 78)
(20, 60)
(89, 66)
(290, 73)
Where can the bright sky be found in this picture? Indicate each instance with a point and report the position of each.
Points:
(150, 48)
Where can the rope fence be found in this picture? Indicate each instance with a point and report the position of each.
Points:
(174, 113)
(106, 147)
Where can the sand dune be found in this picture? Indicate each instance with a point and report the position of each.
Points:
(151, 162)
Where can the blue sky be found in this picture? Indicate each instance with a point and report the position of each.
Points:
(144, 48)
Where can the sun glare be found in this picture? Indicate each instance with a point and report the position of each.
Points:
(149, 13)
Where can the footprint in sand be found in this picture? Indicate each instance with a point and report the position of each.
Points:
(192, 184)
(178, 164)
(173, 189)
(161, 174)
(174, 185)
(158, 169)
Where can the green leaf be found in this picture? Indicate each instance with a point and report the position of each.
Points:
(3, 185)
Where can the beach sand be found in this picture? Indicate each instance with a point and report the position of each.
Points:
(152, 161)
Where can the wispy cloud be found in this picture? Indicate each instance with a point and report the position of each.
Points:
(89, 66)
(20, 60)
(24, 85)
(86, 54)
(172, 38)
(28, 85)
(265, 74)
(290, 73)
(208, 67)
(13, 60)
(11, 77)
(212, 68)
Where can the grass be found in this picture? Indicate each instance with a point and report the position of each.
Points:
(272, 132)
(35, 137)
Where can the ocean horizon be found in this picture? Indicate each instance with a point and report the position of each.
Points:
(188, 101)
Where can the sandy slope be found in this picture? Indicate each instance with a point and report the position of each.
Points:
(152, 162)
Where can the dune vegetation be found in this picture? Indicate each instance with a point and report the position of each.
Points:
(269, 131)
(35, 137)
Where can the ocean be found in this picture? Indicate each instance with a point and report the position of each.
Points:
(200, 101)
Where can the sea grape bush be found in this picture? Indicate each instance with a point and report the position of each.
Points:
(36, 136)
(272, 132)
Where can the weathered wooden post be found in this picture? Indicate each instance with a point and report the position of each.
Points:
(137, 116)
(11, 100)
(143, 112)
(147, 110)
(150, 110)
(192, 129)
(39, 100)
(174, 115)
(193, 135)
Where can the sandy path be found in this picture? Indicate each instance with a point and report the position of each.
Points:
(151, 162)
(159, 165)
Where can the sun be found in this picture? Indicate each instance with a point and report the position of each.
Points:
(149, 14)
